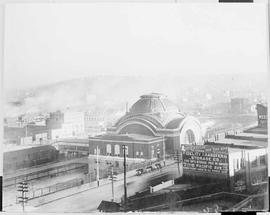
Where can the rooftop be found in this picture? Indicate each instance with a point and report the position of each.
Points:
(153, 103)
(238, 142)
(126, 137)
(250, 136)
(257, 130)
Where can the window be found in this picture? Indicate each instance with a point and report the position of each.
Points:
(108, 149)
(95, 151)
(262, 160)
(137, 153)
(141, 153)
(117, 150)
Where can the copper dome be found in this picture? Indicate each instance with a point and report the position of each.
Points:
(153, 103)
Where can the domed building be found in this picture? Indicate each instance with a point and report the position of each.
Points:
(154, 123)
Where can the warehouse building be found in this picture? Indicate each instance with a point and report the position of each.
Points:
(240, 159)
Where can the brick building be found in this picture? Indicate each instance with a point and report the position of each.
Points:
(137, 146)
(152, 124)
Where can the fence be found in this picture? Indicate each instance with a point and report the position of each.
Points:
(54, 188)
(46, 173)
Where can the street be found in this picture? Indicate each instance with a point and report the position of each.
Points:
(89, 200)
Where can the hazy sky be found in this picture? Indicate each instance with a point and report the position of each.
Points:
(46, 43)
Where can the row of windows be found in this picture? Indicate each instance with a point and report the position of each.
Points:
(94, 118)
(116, 149)
(110, 150)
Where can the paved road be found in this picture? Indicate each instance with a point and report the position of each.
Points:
(89, 200)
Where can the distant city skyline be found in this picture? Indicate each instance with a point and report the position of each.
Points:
(45, 44)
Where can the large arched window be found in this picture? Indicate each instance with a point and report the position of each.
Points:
(117, 150)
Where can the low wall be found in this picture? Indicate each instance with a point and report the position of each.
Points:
(161, 186)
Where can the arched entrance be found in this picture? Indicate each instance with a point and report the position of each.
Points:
(191, 133)
(189, 137)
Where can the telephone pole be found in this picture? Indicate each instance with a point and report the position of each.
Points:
(112, 179)
(177, 158)
(23, 187)
(97, 168)
(125, 180)
(164, 153)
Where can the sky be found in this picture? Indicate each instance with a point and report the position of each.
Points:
(47, 43)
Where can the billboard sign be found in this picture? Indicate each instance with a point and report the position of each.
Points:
(205, 159)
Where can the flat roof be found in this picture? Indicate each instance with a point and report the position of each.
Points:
(249, 137)
(239, 142)
(73, 140)
(255, 135)
(257, 130)
(11, 147)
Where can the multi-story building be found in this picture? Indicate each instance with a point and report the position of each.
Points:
(72, 125)
(55, 120)
(30, 134)
(13, 122)
(94, 122)
(262, 115)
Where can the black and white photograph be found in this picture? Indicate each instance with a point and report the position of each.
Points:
(135, 107)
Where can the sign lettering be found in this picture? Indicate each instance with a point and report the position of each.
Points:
(210, 159)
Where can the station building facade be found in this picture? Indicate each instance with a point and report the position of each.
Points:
(151, 126)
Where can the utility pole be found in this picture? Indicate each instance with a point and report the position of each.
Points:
(164, 153)
(125, 180)
(112, 184)
(178, 161)
(26, 131)
(23, 187)
(97, 168)
(112, 179)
